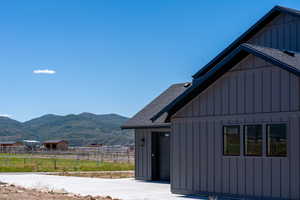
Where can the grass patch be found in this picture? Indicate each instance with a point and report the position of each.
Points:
(15, 164)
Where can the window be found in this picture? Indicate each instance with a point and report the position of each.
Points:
(253, 140)
(231, 140)
(276, 140)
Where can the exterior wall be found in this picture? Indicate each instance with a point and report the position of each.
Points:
(143, 165)
(252, 92)
(282, 33)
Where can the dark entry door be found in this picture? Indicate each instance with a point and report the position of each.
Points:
(164, 158)
(161, 156)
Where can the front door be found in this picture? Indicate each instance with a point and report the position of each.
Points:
(161, 156)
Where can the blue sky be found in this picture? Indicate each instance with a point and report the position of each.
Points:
(110, 56)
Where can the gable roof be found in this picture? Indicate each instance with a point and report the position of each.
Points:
(143, 118)
(274, 12)
(287, 60)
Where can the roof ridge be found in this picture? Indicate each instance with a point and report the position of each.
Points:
(270, 15)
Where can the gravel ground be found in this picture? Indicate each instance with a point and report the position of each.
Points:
(12, 192)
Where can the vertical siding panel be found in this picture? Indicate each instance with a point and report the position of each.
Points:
(249, 176)
(267, 178)
(285, 178)
(218, 99)
(141, 155)
(196, 174)
(184, 157)
(241, 176)
(249, 92)
(233, 93)
(145, 154)
(293, 36)
(275, 89)
(241, 92)
(276, 177)
(275, 37)
(294, 156)
(218, 156)
(200, 153)
(175, 154)
(294, 87)
(196, 107)
(258, 91)
(210, 161)
(258, 177)
(203, 104)
(136, 171)
(149, 155)
(203, 156)
(297, 35)
(225, 175)
(210, 103)
(285, 90)
(266, 90)
(281, 42)
(233, 175)
(189, 155)
(225, 93)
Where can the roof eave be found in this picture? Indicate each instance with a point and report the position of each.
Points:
(165, 125)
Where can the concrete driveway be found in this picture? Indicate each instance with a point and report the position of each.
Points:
(125, 189)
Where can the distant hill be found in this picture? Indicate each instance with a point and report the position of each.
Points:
(82, 129)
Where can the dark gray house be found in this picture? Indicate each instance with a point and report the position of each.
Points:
(236, 129)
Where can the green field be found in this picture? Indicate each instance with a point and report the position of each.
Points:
(17, 164)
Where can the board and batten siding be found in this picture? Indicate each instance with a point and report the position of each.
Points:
(143, 153)
(281, 33)
(252, 92)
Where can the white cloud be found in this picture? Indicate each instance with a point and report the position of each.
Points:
(44, 71)
(5, 115)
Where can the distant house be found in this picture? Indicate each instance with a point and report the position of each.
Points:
(235, 131)
(10, 144)
(56, 144)
(7, 146)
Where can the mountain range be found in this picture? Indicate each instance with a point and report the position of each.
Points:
(78, 130)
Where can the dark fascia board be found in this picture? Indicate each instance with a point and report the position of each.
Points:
(274, 12)
(165, 125)
(211, 76)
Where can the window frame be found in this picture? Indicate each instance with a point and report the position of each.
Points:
(223, 133)
(245, 143)
(267, 140)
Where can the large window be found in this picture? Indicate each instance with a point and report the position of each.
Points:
(276, 140)
(253, 140)
(231, 137)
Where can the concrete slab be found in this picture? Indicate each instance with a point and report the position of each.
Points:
(126, 189)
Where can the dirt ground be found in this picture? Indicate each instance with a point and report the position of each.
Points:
(11, 192)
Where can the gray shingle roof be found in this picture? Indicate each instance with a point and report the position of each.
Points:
(289, 58)
(286, 60)
(143, 118)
